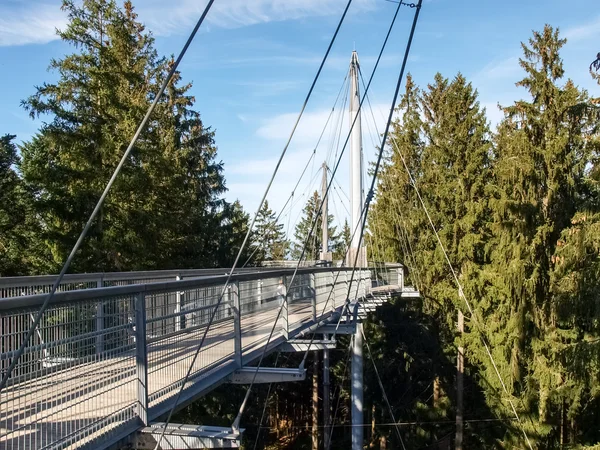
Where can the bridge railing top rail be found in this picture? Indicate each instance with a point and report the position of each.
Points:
(73, 296)
(34, 280)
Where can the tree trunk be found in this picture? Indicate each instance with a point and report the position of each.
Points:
(436, 391)
(315, 402)
(460, 363)
(382, 443)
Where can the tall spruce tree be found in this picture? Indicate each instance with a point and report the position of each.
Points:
(396, 215)
(16, 215)
(304, 226)
(540, 174)
(163, 210)
(271, 243)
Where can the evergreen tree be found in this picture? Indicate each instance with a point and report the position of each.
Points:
(540, 174)
(235, 223)
(343, 242)
(396, 215)
(163, 210)
(304, 226)
(271, 243)
(16, 215)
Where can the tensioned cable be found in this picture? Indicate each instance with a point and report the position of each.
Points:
(100, 202)
(385, 397)
(385, 133)
(390, 424)
(339, 391)
(291, 196)
(396, 210)
(319, 212)
(262, 416)
(461, 294)
(365, 209)
(379, 264)
(214, 312)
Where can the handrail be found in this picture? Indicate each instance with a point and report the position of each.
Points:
(107, 359)
(8, 282)
(161, 286)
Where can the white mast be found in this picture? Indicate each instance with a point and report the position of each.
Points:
(356, 204)
(356, 174)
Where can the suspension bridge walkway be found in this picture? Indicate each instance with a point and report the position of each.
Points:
(112, 350)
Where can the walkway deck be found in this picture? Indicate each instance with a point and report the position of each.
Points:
(73, 390)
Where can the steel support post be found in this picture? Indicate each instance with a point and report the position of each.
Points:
(285, 311)
(460, 364)
(357, 389)
(179, 320)
(313, 290)
(237, 322)
(99, 322)
(326, 395)
(141, 357)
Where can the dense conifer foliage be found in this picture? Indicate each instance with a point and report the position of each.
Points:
(516, 209)
(517, 213)
(166, 208)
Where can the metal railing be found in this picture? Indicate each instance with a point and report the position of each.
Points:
(41, 284)
(106, 361)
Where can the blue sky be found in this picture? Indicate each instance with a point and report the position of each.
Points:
(253, 62)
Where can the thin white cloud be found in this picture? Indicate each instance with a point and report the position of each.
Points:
(493, 113)
(34, 22)
(277, 128)
(252, 172)
(173, 17)
(30, 23)
(585, 31)
(500, 69)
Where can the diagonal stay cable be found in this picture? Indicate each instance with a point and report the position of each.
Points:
(398, 210)
(246, 238)
(462, 295)
(386, 131)
(262, 416)
(312, 155)
(335, 169)
(385, 397)
(365, 208)
(235, 425)
(100, 202)
(339, 396)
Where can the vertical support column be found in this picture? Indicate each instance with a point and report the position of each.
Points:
(401, 278)
(315, 401)
(460, 361)
(99, 322)
(237, 322)
(285, 310)
(259, 289)
(179, 320)
(313, 289)
(326, 395)
(357, 389)
(141, 357)
(326, 255)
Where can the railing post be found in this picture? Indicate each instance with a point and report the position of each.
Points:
(401, 278)
(333, 290)
(260, 283)
(179, 320)
(234, 293)
(313, 289)
(285, 309)
(141, 357)
(99, 322)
